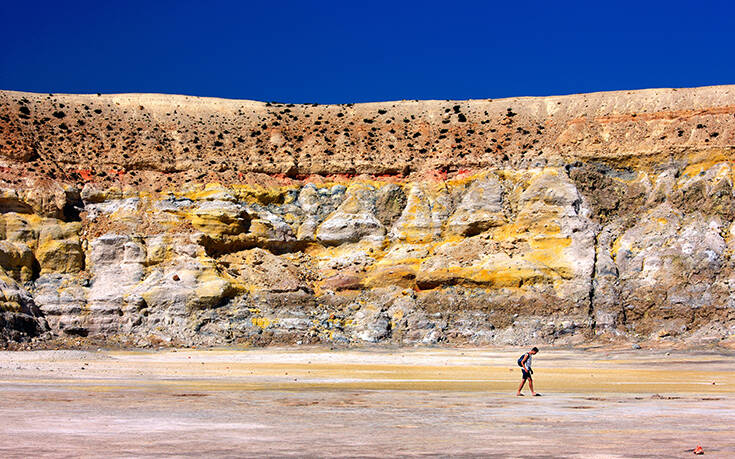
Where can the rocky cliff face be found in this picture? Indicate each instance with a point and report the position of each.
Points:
(147, 219)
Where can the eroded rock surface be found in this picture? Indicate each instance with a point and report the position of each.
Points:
(145, 219)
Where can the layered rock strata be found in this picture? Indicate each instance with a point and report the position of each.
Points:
(148, 219)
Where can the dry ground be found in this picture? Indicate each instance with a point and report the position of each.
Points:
(372, 403)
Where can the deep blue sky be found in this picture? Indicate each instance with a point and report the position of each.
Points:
(358, 51)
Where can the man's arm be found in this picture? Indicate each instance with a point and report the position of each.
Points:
(523, 362)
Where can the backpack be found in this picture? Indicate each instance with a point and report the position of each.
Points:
(520, 360)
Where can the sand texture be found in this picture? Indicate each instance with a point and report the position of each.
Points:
(371, 403)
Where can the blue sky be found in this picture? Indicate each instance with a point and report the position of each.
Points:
(340, 52)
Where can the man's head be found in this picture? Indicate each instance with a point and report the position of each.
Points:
(534, 350)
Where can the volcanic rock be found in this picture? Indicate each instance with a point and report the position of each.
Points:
(176, 220)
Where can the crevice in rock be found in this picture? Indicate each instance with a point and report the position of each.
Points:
(73, 207)
(593, 277)
(596, 229)
(217, 247)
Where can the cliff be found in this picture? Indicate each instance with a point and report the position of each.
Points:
(152, 219)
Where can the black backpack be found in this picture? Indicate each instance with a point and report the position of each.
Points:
(520, 360)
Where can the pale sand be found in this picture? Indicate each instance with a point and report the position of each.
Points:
(315, 402)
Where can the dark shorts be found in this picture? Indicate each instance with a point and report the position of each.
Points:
(526, 375)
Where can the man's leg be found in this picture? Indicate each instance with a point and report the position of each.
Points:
(530, 384)
(523, 381)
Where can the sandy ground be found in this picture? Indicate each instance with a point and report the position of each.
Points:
(366, 403)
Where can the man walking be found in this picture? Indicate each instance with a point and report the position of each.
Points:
(525, 363)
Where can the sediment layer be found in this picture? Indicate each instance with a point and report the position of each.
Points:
(152, 219)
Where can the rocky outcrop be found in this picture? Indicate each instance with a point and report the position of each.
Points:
(139, 219)
(20, 318)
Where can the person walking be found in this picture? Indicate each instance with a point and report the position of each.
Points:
(525, 362)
